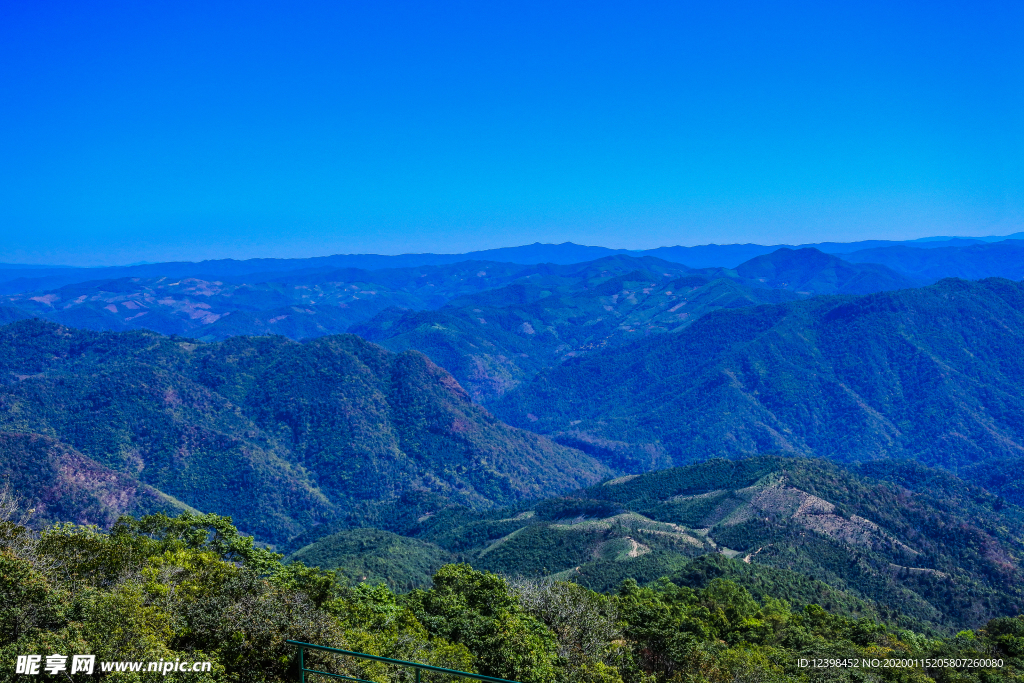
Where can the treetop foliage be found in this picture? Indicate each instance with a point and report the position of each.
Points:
(191, 587)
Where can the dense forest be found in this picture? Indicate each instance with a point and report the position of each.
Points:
(192, 588)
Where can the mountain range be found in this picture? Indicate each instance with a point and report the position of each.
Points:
(969, 262)
(298, 305)
(277, 434)
(16, 278)
(494, 340)
(323, 302)
(934, 374)
(842, 429)
(304, 298)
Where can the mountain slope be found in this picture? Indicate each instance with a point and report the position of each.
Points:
(495, 340)
(935, 374)
(9, 314)
(894, 539)
(374, 556)
(299, 305)
(970, 262)
(60, 484)
(809, 271)
(277, 434)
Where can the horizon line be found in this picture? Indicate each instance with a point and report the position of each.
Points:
(937, 238)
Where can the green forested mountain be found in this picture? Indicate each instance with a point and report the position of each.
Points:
(495, 340)
(896, 541)
(278, 434)
(934, 374)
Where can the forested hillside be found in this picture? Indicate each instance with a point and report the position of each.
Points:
(279, 435)
(191, 589)
(892, 540)
(59, 484)
(495, 340)
(934, 374)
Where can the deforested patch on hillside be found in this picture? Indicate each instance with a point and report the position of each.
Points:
(59, 484)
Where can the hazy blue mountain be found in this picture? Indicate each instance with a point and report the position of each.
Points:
(318, 302)
(971, 262)
(8, 314)
(809, 271)
(15, 279)
(297, 305)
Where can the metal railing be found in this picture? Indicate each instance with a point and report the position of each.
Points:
(362, 655)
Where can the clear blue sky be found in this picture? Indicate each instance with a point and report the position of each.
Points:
(145, 131)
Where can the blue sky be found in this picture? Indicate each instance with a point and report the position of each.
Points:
(189, 130)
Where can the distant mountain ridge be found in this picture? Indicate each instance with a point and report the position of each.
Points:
(970, 262)
(16, 278)
(810, 272)
(296, 305)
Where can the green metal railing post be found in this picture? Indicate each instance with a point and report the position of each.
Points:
(387, 660)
